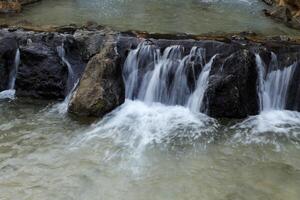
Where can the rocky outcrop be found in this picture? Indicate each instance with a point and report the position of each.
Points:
(42, 73)
(101, 87)
(285, 11)
(232, 83)
(14, 5)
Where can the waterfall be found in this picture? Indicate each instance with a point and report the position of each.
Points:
(10, 92)
(273, 83)
(14, 71)
(167, 77)
(71, 77)
(196, 99)
(72, 83)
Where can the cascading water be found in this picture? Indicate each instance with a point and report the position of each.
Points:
(71, 77)
(62, 107)
(152, 77)
(196, 99)
(14, 71)
(10, 92)
(273, 84)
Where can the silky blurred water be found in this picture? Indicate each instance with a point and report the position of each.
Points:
(146, 151)
(165, 16)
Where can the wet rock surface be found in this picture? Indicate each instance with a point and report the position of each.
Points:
(232, 89)
(42, 73)
(101, 88)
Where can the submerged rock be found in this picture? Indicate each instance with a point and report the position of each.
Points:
(101, 88)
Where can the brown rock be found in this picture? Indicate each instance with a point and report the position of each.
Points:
(14, 5)
(10, 6)
(101, 87)
(286, 11)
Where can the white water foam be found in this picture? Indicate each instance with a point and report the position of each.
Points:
(136, 126)
(8, 94)
(269, 127)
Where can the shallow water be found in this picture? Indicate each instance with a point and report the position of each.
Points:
(142, 151)
(187, 16)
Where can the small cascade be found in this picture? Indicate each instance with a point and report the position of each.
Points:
(273, 83)
(196, 99)
(71, 77)
(72, 83)
(14, 71)
(168, 77)
(10, 92)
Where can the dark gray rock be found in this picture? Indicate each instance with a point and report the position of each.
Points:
(232, 89)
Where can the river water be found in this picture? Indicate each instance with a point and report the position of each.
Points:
(164, 16)
(144, 151)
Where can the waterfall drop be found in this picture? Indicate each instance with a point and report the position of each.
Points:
(273, 84)
(72, 83)
(170, 77)
(71, 77)
(14, 71)
(10, 92)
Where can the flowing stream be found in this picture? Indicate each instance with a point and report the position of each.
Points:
(157, 145)
(154, 146)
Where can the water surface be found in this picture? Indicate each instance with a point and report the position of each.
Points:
(165, 16)
(142, 151)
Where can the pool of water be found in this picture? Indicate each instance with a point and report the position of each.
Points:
(165, 16)
(142, 151)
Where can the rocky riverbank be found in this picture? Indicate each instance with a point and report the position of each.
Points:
(7, 6)
(97, 55)
(285, 11)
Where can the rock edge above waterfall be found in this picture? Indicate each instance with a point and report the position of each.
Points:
(231, 93)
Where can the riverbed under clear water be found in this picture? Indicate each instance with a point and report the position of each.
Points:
(144, 151)
(163, 16)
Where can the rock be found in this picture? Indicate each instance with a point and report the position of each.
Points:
(285, 11)
(101, 88)
(293, 98)
(14, 5)
(8, 47)
(90, 42)
(41, 73)
(232, 91)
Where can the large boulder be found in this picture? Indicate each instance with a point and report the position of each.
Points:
(42, 72)
(101, 88)
(232, 88)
